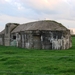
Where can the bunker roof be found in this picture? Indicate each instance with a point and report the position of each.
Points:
(40, 25)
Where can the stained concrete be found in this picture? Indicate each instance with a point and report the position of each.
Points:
(30, 36)
(43, 40)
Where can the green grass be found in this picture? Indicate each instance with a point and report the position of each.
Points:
(18, 61)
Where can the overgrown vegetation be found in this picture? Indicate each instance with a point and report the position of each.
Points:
(18, 61)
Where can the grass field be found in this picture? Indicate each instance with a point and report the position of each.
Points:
(18, 61)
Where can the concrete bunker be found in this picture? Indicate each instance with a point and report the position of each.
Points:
(44, 34)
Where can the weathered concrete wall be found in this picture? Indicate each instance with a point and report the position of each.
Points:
(8, 28)
(7, 35)
(2, 39)
(44, 39)
(26, 40)
(56, 40)
(51, 40)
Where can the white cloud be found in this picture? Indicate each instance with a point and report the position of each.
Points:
(19, 6)
(62, 8)
(15, 3)
(7, 18)
(42, 4)
(8, 1)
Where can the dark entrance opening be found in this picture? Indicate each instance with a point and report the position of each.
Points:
(47, 44)
(14, 37)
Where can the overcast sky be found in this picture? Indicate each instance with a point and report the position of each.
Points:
(23, 11)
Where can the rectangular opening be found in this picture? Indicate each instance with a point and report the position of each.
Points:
(37, 41)
(14, 37)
